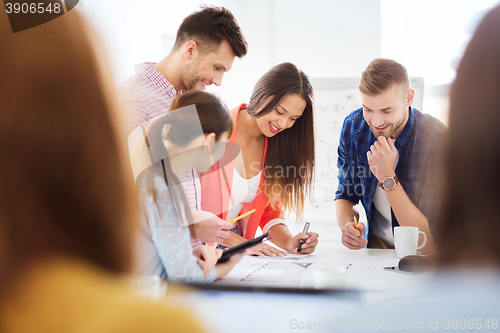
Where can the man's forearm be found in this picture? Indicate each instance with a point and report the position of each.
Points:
(345, 212)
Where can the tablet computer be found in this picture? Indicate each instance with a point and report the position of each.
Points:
(242, 247)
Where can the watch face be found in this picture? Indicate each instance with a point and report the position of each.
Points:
(389, 183)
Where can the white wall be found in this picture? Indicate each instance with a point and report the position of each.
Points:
(429, 37)
(325, 38)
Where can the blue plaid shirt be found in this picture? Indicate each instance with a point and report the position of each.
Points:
(418, 168)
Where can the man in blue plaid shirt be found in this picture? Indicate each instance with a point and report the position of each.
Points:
(388, 157)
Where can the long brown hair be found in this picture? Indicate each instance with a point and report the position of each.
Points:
(65, 182)
(470, 225)
(290, 154)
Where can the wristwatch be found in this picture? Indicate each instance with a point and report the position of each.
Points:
(389, 183)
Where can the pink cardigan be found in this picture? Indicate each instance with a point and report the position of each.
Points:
(216, 188)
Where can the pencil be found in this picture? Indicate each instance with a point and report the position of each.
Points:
(356, 222)
(242, 216)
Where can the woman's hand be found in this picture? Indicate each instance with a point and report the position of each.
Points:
(226, 267)
(309, 246)
(207, 257)
(263, 250)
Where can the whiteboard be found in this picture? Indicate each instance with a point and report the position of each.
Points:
(334, 99)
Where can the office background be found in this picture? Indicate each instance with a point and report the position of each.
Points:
(325, 38)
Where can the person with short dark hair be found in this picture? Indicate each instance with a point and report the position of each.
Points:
(209, 28)
(388, 157)
(206, 45)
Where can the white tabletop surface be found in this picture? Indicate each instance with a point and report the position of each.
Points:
(368, 283)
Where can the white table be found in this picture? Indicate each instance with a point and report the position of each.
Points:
(274, 312)
(363, 268)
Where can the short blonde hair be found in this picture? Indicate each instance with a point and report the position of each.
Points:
(381, 74)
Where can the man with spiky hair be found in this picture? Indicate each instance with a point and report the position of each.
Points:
(388, 158)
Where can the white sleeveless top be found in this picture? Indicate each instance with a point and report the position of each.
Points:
(242, 191)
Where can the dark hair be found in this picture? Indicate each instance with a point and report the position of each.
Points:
(212, 113)
(209, 27)
(65, 188)
(294, 147)
(213, 116)
(381, 74)
(470, 225)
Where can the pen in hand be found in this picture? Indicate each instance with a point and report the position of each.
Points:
(301, 242)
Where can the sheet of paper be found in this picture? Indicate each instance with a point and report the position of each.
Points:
(288, 256)
(363, 272)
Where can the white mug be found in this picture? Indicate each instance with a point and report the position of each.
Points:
(406, 241)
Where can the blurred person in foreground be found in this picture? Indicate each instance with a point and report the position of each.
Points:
(67, 207)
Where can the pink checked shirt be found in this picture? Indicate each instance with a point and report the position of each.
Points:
(144, 96)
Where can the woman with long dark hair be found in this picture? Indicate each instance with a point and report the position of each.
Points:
(274, 172)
